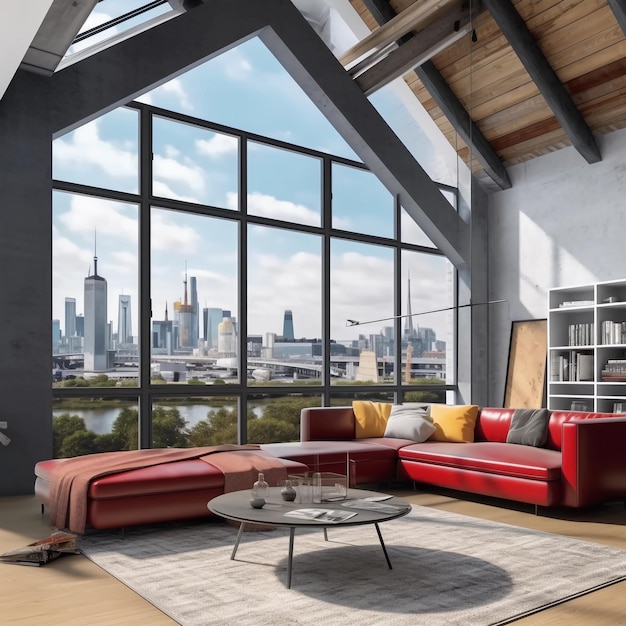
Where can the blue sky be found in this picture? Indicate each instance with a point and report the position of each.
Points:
(244, 88)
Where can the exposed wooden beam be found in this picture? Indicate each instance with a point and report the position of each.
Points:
(552, 89)
(619, 8)
(402, 23)
(450, 105)
(439, 35)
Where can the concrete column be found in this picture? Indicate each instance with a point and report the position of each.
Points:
(25, 285)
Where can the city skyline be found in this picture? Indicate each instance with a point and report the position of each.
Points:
(284, 267)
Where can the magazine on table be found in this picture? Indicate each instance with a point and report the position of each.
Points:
(42, 551)
(373, 505)
(321, 515)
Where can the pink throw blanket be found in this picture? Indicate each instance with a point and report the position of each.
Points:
(69, 481)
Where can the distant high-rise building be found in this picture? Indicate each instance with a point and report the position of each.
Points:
(183, 317)
(162, 336)
(288, 326)
(80, 326)
(70, 317)
(211, 318)
(56, 336)
(195, 325)
(409, 331)
(227, 339)
(96, 326)
(124, 324)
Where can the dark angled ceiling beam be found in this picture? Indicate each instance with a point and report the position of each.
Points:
(619, 8)
(450, 105)
(523, 43)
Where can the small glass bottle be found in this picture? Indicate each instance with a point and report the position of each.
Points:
(260, 489)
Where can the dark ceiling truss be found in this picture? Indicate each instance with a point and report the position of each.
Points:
(447, 101)
(515, 30)
(619, 9)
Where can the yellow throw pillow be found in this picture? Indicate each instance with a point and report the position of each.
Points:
(454, 423)
(371, 418)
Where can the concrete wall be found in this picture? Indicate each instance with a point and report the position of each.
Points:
(562, 224)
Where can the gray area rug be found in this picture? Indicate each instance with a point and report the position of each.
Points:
(447, 569)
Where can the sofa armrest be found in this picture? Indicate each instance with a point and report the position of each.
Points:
(327, 424)
(593, 460)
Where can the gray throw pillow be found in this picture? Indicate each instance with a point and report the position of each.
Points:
(529, 427)
(410, 421)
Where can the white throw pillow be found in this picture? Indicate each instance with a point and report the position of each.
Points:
(410, 421)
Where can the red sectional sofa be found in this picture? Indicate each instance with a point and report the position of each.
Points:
(582, 463)
(149, 495)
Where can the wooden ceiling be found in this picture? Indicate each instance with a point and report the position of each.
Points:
(528, 78)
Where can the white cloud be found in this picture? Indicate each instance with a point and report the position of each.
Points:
(235, 65)
(89, 215)
(174, 171)
(85, 147)
(168, 235)
(176, 88)
(217, 146)
(162, 189)
(268, 206)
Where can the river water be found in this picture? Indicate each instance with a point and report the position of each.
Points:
(100, 421)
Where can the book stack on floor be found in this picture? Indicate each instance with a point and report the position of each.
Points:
(42, 551)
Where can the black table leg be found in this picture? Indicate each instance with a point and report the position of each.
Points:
(292, 531)
(232, 556)
(382, 543)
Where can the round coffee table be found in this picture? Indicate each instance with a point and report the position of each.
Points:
(236, 506)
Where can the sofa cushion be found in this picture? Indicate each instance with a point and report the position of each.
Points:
(454, 423)
(370, 418)
(529, 427)
(490, 457)
(410, 421)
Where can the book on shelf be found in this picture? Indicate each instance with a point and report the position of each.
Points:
(42, 551)
(572, 366)
(619, 407)
(570, 303)
(613, 332)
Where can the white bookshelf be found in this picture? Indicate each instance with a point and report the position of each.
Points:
(587, 347)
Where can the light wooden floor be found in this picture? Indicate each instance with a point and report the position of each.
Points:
(72, 590)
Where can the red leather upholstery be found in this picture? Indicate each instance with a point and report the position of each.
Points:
(160, 493)
(332, 424)
(582, 463)
(487, 456)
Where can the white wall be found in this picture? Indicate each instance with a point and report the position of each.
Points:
(563, 223)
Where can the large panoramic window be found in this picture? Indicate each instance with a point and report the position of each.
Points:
(194, 164)
(194, 337)
(209, 283)
(284, 306)
(102, 153)
(95, 282)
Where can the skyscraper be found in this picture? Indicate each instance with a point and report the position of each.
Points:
(211, 318)
(70, 317)
(56, 336)
(124, 327)
(195, 322)
(96, 330)
(288, 326)
(409, 331)
(227, 339)
(183, 315)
